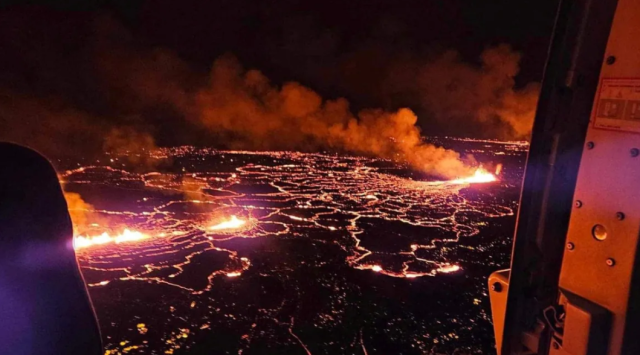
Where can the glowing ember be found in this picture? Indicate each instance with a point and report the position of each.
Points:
(233, 223)
(234, 274)
(142, 328)
(105, 238)
(376, 268)
(480, 176)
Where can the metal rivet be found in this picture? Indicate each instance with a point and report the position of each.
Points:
(590, 145)
(570, 246)
(611, 59)
(599, 232)
(634, 152)
(620, 216)
(496, 287)
(578, 203)
(610, 262)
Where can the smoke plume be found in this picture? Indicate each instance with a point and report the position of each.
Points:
(258, 115)
(113, 94)
(134, 145)
(55, 128)
(47, 125)
(78, 210)
(452, 90)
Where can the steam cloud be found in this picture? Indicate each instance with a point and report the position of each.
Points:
(145, 96)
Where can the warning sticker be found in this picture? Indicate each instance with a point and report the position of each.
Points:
(618, 105)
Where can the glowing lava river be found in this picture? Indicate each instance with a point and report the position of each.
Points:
(235, 252)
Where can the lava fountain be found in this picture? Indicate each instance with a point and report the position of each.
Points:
(232, 223)
(481, 175)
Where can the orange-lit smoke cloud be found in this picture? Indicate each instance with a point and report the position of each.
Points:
(256, 114)
(78, 210)
(144, 96)
(84, 215)
(451, 89)
(58, 130)
(47, 125)
(133, 144)
(242, 109)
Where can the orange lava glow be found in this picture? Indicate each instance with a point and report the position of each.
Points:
(448, 268)
(233, 223)
(126, 236)
(481, 175)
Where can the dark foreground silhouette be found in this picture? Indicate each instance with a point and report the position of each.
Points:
(44, 305)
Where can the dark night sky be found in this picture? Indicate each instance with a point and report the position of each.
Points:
(345, 49)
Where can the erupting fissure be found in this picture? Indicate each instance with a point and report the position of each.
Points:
(479, 176)
(232, 226)
(194, 229)
(82, 241)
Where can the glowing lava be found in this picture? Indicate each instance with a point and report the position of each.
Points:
(204, 226)
(447, 268)
(127, 235)
(233, 223)
(481, 175)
